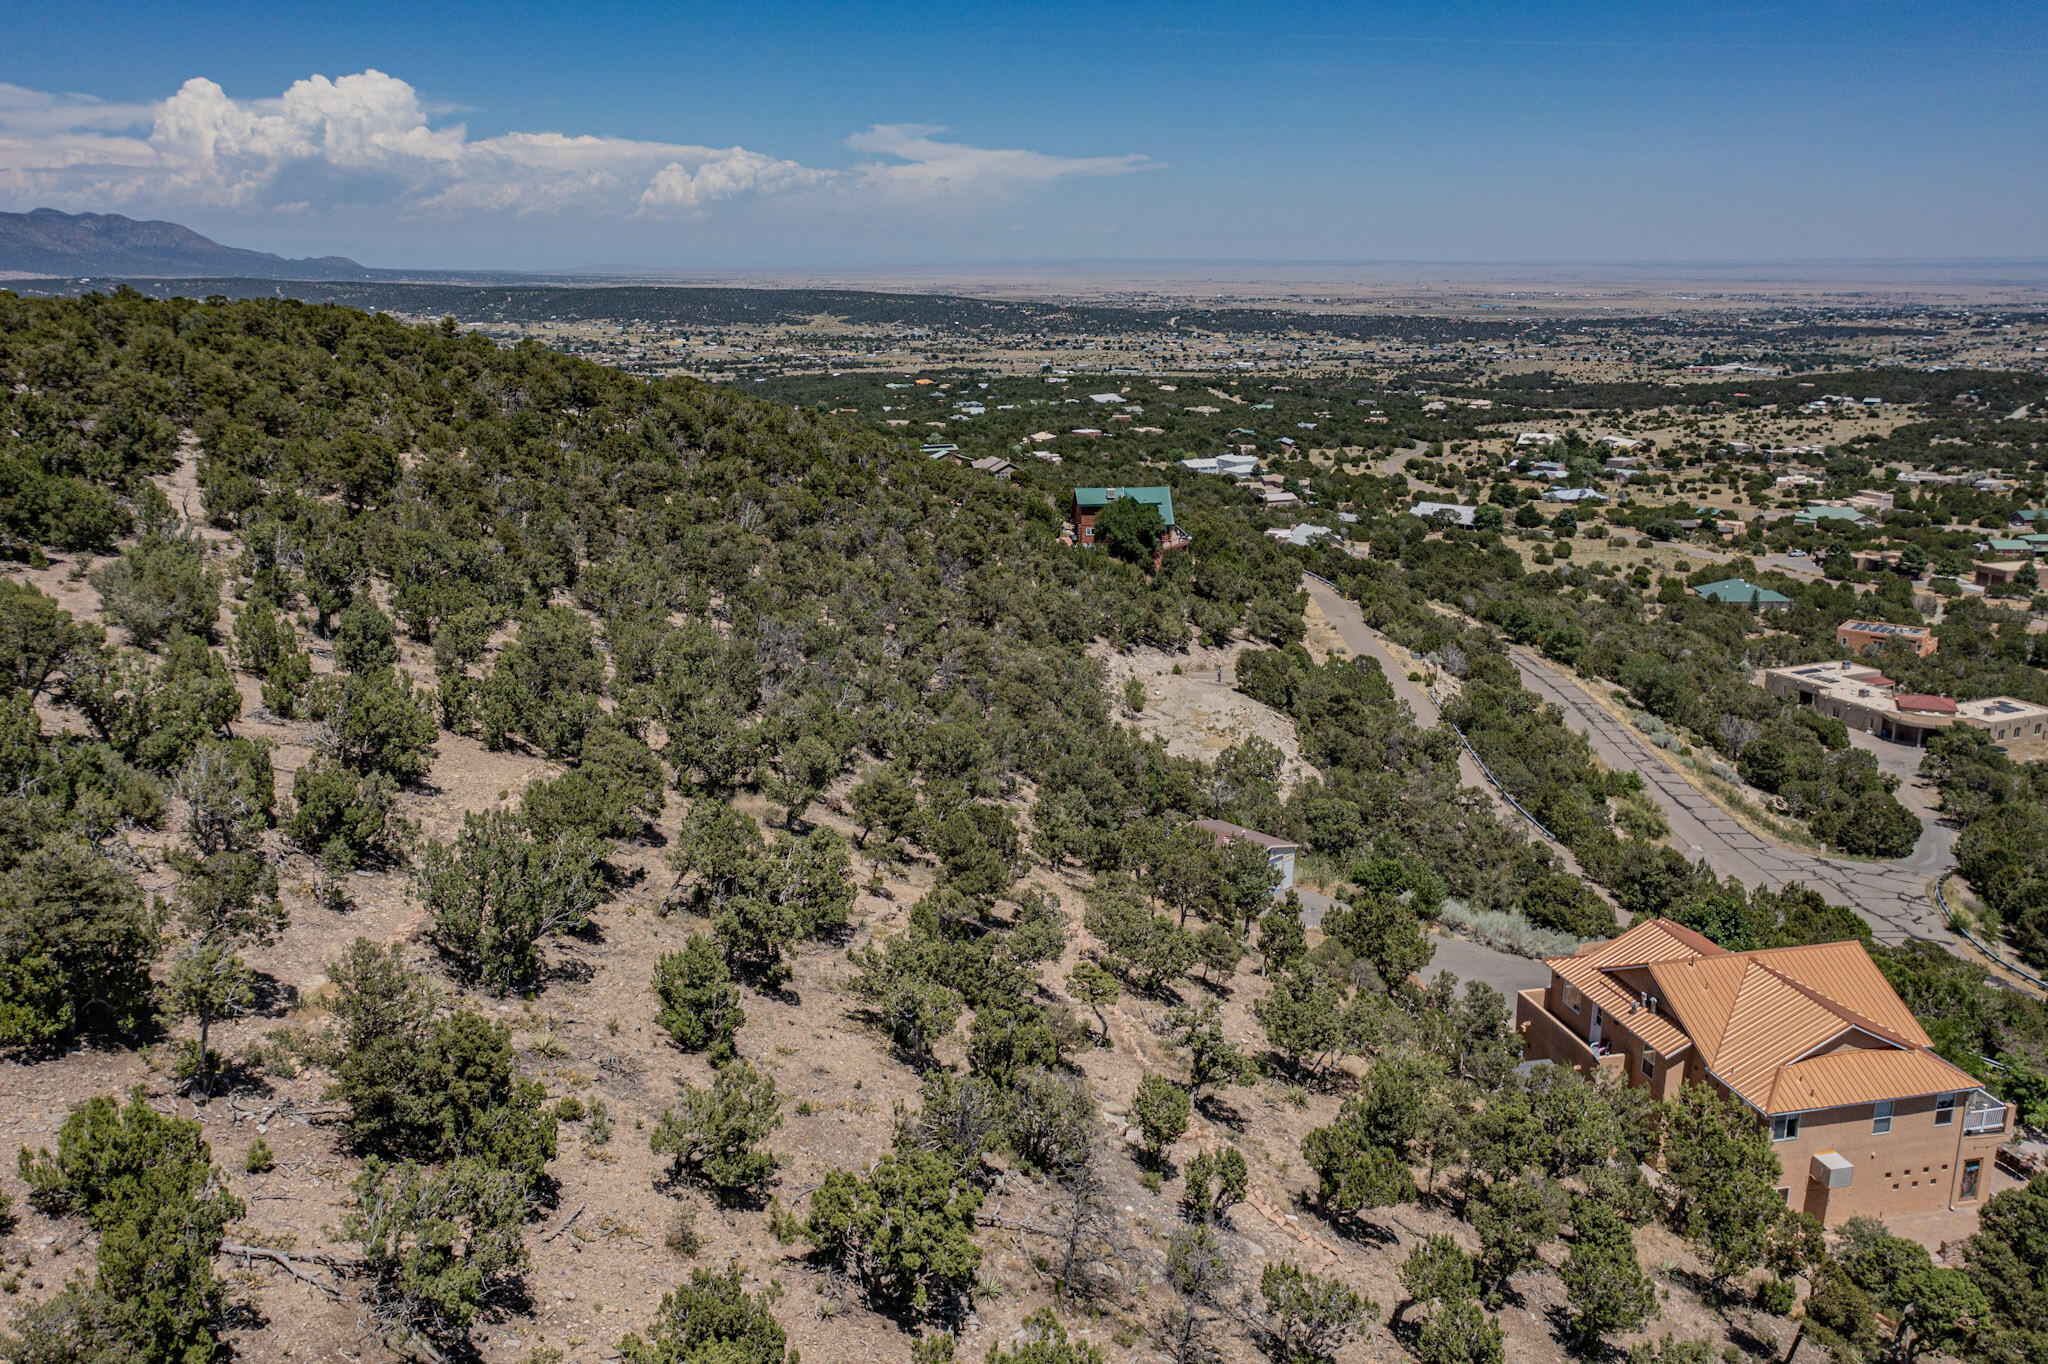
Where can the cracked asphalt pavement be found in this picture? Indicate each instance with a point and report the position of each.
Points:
(1891, 896)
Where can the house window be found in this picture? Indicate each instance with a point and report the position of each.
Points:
(1881, 1119)
(1785, 1127)
(1944, 1110)
(1649, 1064)
(1572, 998)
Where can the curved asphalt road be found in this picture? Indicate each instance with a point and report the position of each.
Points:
(1891, 896)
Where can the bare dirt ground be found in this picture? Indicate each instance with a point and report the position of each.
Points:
(1198, 715)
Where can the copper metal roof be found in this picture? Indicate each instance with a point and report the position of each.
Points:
(1621, 1007)
(1786, 1028)
(1863, 1076)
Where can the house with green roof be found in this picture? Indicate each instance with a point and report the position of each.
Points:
(1817, 512)
(1736, 592)
(1089, 502)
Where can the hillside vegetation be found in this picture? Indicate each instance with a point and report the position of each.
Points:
(503, 859)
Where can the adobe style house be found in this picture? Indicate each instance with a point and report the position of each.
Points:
(1865, 1118)
(1859, 635)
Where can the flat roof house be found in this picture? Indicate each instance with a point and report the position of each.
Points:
(1459, 513)
(1736, 592)
(1866, 634)
(1864, 699)
(1998, 573)
(1279, 852)
(1866, 1120)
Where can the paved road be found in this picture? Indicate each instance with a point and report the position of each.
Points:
(1891, 896)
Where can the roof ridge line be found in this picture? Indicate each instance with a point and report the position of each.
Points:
(1836, 1007)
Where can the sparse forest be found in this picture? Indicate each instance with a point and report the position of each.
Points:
(503, 859)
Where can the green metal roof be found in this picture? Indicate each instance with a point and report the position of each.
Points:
(1740, 593)
(1816, 512)
(1090, 499)
(2010, 546)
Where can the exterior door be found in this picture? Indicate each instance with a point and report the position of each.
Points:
(1971, 1168)
(1593, 1034)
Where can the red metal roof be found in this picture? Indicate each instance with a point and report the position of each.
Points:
(1931, 705)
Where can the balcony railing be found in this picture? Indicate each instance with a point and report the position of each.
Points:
(1988, 1118)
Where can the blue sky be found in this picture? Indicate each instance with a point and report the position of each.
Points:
(680, 135)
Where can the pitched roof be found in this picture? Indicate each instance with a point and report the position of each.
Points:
(1862, 1076)
(1222, 830)
(1740, 592)
(1785, 1028)
(1162, 498)
(1619, 1006)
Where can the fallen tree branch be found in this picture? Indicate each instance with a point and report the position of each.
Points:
(285, 1262)
(566, 1224)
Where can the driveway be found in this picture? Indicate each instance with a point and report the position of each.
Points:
(1463, 958)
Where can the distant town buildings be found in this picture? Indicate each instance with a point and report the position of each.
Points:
(1817, 512)
(1235, 466)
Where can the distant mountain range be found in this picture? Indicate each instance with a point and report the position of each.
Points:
(47, 242)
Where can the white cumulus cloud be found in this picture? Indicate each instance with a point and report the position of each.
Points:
(726, 175)
(369, 142)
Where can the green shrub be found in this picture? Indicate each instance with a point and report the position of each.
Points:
(714, 1135)
(347, 817)
(147, 1185)
(1046, 1342)
(904, 1231)
(498, 891)
(700, 1006)
(155, 712)
(159, 586)
(439, 1245)
(76, 943)
(1308, 1317)
(1160, 1111)
(376, 722)
(713, 1318)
